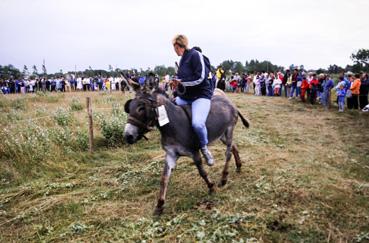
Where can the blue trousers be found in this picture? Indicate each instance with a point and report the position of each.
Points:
(341, 103)
(324, 98)
(200, 111)
(293, 90)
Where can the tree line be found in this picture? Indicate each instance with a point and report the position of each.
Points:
(360, 64)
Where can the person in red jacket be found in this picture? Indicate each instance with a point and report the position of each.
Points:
(304, 87)
(313, 89)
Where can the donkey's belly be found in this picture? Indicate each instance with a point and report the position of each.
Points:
(222, 116)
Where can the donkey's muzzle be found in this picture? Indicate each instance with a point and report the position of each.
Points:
(130, 133)
(129, 139)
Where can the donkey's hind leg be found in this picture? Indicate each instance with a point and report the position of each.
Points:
(234, 152)
(202, 172)
(227, 140)
(236, 158)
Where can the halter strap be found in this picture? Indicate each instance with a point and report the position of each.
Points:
(139, 123)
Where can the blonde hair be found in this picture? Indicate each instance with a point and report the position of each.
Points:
(180, 40)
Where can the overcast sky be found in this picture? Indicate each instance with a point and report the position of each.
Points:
(138, 33)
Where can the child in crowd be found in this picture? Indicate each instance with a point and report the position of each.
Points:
(277, 86)
(233, 84)
(341, 94)
(304, 87)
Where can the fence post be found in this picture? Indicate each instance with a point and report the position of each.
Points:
(90, 125)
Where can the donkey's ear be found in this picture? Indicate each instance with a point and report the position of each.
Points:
(126, 106)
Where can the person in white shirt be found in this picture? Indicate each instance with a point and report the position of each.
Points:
(79, 83)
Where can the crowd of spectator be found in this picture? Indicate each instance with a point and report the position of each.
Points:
(351, 90)
(62, 84)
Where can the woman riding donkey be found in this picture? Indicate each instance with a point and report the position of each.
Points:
(179, 137)
(193, 72)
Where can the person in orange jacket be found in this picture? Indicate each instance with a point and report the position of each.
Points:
(355, 90)
(304, 87)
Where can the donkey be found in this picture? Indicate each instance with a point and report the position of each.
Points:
(178, 138)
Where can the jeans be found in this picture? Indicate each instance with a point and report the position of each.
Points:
(341, 103)
(200, 110)
(284, 87)
(298, 91)
(293, 90)
(270, 90)
(325, 96)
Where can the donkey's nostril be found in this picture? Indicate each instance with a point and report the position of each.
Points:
(129, 139)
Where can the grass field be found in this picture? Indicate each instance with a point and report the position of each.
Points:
(305, 176)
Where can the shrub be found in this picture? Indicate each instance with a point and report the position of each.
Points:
(63, 117)
(81, 140)
(61, 136)
(26, 143)
(112, 127)
(76, 105)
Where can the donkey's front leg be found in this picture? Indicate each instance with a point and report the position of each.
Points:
(170, 162)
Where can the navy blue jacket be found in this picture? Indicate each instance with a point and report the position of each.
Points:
(193, 71)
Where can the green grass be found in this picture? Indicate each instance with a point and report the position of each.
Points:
(305, 178)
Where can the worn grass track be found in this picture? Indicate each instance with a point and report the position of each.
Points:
(305, 177)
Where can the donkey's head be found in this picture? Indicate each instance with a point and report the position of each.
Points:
(141, 117)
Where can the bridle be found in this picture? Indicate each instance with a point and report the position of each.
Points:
(146, 127)
(151, 123)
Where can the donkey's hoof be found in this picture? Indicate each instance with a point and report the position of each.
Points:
(222, 183)
(238, 169)
(158, 211)
(211, 189)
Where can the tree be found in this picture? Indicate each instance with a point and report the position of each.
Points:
(25, 72)
(335, 69)
(264, 66)
(238, 67)
(160, 70)
(361, 60)
(321, 70)
(362, 57)
(44, 69)
(227, 65)
(35, 71)
(9, 71)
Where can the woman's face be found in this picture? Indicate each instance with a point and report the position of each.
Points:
(179, 50)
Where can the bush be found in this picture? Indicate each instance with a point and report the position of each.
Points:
(112, 127)
(61, 136)
(63, 117)
(76, 105)
(81, 140)
(26, 143)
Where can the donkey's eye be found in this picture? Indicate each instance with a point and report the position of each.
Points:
(140, 109)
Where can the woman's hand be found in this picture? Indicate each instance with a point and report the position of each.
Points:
(174, 83)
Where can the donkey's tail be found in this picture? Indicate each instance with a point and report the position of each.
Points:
(244, 120)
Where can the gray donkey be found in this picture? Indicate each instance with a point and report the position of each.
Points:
(177, 136)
